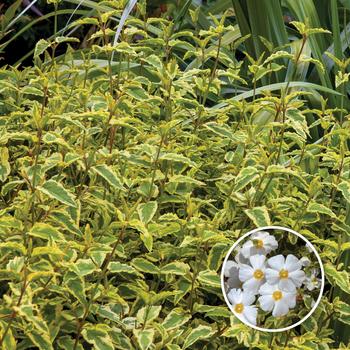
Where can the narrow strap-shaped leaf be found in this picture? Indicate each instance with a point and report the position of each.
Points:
(125, 15)
(277, 86)
(21, 14)
(71, 16)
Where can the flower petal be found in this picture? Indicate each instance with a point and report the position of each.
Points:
(245, 272)
(228, 266)
(250, 313)
(290, 299)
(234, 282)
(297, 277)
(245, 250)
(260, 235)
(304, 261)
(287, 285)
(258, 261)
(309, 285)
(266, 302)
(252, 285)
(276, 262)
(235, 296)
(280, 309)
(292, 263)
(248, 298)
(257, 251)
(267, 289)
(241, 259)
(270, 242)
(272, 276)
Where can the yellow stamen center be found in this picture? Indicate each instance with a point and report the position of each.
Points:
(239, 308)
(283, 273)
(258, 274)
(258, 243)
(277, 295)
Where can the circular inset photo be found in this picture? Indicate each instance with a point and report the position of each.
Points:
(272, 279)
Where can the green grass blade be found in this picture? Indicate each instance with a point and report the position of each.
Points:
(181, 15)
(243, 23)
(73, 13)
(336, 30)
(40, 19)
(92, 4)
(268, 24)
(305, 11)
(218, 7)
(278, 86)
(128, 8)
(21, 14)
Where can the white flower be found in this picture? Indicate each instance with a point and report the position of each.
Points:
(240, 258)
(234, 282)
(231, 270)
(253, 276)
(312, 281)
(304, 261)
(261, 242)
(286, 273)
(275, 299)
(241, 302)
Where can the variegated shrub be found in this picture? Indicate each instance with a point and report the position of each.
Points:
(128, 171)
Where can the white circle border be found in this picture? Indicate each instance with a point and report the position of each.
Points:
(274, 330)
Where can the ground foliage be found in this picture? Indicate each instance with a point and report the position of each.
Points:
(126, 175)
